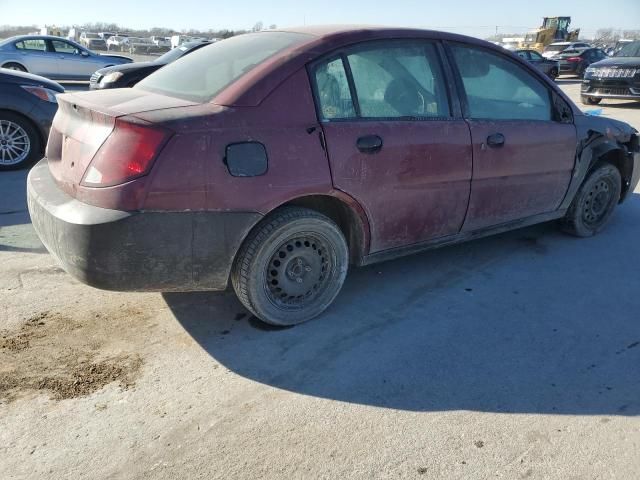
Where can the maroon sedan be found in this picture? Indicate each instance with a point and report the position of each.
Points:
(274, 160)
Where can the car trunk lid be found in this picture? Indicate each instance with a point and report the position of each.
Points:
(84, 122)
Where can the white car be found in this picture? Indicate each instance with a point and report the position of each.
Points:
(555, 48)
(117, 42)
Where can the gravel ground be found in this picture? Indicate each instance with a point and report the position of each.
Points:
(516, 356)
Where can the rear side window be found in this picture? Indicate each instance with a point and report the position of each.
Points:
(401, 80)
(334, 97)
(31, 44)
(395, 79)
(497, 88)
(203, 74)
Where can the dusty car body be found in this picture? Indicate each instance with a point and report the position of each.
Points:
(272, 161)
(53, 57)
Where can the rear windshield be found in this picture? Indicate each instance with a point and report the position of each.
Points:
(555, 48)
(201, 75)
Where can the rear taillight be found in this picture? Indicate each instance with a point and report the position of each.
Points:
(128, 153)
(573, 59)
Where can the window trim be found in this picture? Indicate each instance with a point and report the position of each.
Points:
(453, 103)
(518, 62)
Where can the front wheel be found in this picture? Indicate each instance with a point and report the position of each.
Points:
(291, 267)
(590, 100)
(20, 143)
(594, 203)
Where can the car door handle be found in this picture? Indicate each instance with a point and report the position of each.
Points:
(495, 140)
(369, 144)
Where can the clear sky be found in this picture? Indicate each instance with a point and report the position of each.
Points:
(471, 17)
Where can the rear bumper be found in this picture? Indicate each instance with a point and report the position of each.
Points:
(135, 251)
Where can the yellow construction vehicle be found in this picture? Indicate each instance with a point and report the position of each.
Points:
(553, 29)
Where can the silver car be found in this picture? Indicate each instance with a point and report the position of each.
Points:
(54, 57)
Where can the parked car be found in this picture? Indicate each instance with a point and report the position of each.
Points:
(615, 77)
(142, 46)
(128, 75)
(27, 106)
(92, 41)
(273, 160)
(117, 42)
(555, 48)
(162, 42)
(53, 57)
(576, 61)
(549, 67)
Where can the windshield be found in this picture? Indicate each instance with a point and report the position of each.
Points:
(204, 73)
(630, 50)
(91, 35)
(177, 52)
(530, 37)
(555, 48)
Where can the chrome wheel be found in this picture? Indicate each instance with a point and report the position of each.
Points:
(14, 143)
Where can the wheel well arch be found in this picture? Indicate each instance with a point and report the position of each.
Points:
(619, 157)
(9, 62)
(41, 137)
(346, 213)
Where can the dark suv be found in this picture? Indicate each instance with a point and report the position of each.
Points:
(273, 161)
(616, 77)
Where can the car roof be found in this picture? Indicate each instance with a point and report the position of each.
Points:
(252, 87)
(43, 37)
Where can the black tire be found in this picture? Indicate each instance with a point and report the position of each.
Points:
(553, 73)
(594, 203)
(589, 100)
(14, 66)
(291, 267)
(13, 127)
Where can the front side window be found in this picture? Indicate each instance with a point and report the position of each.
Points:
(497, 88)
(32, 44)
(63, 47)
(535, 55)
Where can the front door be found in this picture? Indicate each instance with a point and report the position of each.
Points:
(71, 62)
(392, 142)
(522, 158)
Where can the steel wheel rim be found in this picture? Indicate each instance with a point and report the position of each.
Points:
(14, 143)
(299, 271)
(597, 202)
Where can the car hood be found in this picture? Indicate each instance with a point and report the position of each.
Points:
(136, 67)
(23, 78)
(121, 58)
(618, 62)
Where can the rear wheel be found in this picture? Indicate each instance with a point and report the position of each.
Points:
(14, 66)
(553, 73)
(590, 100)
(20, 143)
(291, 267)
(594, 203)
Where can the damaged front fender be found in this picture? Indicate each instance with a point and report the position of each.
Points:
(603, 139)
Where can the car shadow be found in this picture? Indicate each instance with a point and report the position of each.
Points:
(531, 321)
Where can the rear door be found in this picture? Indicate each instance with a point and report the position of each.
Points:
(393, 143)
(522, 158)
(36, 57)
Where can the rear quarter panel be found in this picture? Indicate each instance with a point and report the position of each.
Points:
(191, 173)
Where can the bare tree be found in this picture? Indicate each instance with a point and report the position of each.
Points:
(257, 27)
